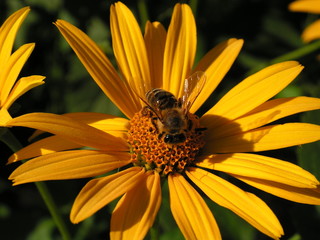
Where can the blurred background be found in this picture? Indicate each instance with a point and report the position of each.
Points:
(269, 31)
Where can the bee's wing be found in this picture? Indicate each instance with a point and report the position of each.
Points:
(193, 85)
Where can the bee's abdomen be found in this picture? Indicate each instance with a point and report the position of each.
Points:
(161, 99)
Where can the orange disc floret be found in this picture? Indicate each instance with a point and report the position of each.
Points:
(150, 151)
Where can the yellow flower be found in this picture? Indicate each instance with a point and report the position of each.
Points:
(237, 127)
(312, 32)
(12, 63)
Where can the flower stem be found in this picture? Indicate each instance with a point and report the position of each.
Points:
(10, 140)
(293, 55)
(298, 53)
(47, 198)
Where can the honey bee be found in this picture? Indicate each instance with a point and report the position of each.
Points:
(172, 113)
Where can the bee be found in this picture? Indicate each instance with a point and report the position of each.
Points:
(171, 112)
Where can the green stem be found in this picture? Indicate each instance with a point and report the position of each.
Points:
(298, 53)
(10, 140)
(293, 55)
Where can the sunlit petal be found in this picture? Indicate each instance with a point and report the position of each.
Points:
(155, 40)
(216, 63)
(102, 121)
(180, 49)
(136, 211)
(69, 165)
(295, 194)
(99, 192)
(115, 126)
(264, 138)
(251, 92)
(310, 6)
(70, 129)
(129, 48)
(311, 32)
(22, 86)
(100, 68)
(260, 167)
(190, 211)
(8, 33)
(244, 204)
(266, 113)
(42, 147)
(4, 117)
(10, 70)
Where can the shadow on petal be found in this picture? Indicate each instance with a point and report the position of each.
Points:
(217, 141)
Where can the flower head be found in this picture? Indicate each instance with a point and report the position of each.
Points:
(145, 149)
(12, 63)
(312, 32)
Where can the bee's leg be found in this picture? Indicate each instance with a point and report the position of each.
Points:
(200, 129)
(154, 123)
(160, 135)
(145, 111)
(190, 125)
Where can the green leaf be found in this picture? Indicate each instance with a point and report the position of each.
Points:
(282, 30)
(43, 230)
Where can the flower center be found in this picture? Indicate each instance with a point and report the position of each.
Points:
(156, 148)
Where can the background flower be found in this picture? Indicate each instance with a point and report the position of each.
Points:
(312, 31)
(270, 31)
(12, 63)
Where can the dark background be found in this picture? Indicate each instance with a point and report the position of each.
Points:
(269, 31)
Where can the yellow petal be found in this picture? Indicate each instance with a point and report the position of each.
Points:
(136, 210)
(10, 71)
(180, 49)
(115, 126)
(260, 167)
(252, 92)
(99, 192)
(190, 211)
(4, 117)
(71, 130)
(22, 86)
(312, 32)
(155, 40)
(8, 33)
(266, 113)
(129, 48)
(310, 6)
(295, 194)
(102, 121)
(69, 165)
(244, 204)
(265, 138)
(216, 63)
(100, 68)
(43, 147)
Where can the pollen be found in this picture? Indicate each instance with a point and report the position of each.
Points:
(149, 150)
